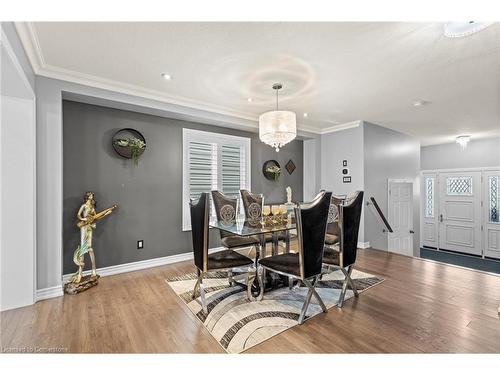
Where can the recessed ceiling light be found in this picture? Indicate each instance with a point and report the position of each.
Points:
(166, 76)
(419, 103)
(305, 114)
(462, 140)
(249, 100)
(461, 29)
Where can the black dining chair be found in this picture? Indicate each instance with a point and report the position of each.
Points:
(225, 260)
(345, 258)
(226, 210)
(253, 205)
(306, 264)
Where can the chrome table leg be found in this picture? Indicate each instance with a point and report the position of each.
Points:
(255, 288)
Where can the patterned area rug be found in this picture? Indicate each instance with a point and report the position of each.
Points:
(238, 324)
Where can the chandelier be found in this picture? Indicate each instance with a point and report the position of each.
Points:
(277, 128)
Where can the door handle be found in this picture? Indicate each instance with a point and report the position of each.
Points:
(412, 231)
(441, 218)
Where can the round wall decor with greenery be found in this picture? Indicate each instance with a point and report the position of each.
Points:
(129, 144)
(271, 170)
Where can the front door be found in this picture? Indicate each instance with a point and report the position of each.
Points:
(401, 217)
(460, 212)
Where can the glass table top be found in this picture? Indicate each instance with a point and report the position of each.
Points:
(242, 227)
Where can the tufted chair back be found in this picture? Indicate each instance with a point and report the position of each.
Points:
(252, 204)
(226, 209)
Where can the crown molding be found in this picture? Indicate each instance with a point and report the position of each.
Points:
(29, 39)
(4, 42)
(31, 44)
(340, 127)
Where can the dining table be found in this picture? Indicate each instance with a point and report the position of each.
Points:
(275, 225)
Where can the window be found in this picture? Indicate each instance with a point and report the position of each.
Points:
(461, 185)
(493, 190)
(213, 161)
(429, 197)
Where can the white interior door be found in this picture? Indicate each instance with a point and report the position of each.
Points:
(401, 217)
(460, 212)
(491, 218)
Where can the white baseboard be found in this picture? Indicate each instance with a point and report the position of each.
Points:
(57, 291)
(363, 245)
(46, 293)
(142, 264)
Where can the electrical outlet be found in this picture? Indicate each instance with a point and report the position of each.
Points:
(140, 244)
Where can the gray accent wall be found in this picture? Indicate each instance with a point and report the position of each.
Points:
(149, 196)
(479, 153)
(389, 154)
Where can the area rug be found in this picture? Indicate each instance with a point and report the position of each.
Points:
(238, 324)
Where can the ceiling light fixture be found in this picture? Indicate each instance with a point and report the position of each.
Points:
(462, 140)
(419, 103)
(249, 100)
(277, 128)
(461, 29)
(166, 76)
(306, 115)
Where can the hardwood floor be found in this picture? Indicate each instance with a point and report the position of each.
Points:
(422, 306)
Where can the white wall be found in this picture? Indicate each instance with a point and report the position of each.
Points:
(479, 153)
(17, 183)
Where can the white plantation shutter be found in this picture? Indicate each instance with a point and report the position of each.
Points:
(233, 169)
(213, 161)
(202, 168)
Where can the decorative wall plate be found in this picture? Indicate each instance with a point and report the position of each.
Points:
(267, 170)
(129, 144)
(290, 166)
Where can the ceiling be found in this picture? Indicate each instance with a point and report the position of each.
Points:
(336, 72)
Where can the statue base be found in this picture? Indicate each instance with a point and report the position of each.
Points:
(85, 283)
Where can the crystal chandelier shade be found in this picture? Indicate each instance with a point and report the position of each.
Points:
(277, 128)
